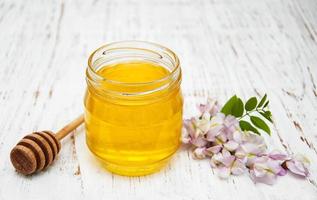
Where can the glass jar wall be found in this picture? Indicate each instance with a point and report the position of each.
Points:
(133, 106)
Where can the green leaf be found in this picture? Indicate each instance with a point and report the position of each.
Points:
(267, 115)
(226, 109)
(238, 108)
(262, 101)
(258, 122)
(266, 104)
(246, 126)
(251, 104)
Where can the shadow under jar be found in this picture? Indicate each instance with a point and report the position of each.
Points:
(133, 106)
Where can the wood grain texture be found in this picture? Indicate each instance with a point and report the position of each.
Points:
(247, 47)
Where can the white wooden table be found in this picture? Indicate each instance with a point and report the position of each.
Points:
(247, 47)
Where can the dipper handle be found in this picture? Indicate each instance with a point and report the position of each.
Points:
(69, 127)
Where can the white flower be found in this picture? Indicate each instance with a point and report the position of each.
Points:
(211, 107)
(265, 170)
(227, 164)
(232, 151)
(222, 127)
(298, 165)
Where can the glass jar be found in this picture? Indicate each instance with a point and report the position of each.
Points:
(133, 106)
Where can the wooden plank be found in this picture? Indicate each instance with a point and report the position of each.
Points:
(245, 47)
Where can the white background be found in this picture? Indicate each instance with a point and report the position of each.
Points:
(226, 47)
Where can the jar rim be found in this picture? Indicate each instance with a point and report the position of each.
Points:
(176, 63)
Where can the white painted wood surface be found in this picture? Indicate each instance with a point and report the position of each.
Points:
(247, 47)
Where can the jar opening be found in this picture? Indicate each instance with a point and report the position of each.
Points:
(132, 52)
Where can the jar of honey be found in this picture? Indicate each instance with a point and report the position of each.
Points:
(133, 106)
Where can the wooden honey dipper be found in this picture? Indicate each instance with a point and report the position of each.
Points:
(38, 150)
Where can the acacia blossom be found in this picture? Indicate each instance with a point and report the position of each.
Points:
(298, 165)
(265, 170)
(218, 137)
(227, 164)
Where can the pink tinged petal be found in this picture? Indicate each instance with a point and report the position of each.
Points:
(249, 137)
(222, 137)
(215, 160)
(274, 166)
(214, 107)
(210, 137)
(238, 167)
(253, 161)
(243, 160)
(291, 166)
(213, 163)
(227, 159)
(225, 153)
(203, 108)
(283, 172)
(237, 136)
(198, 133)
(240, 153)
(299, 165)
(217, 121)
(206, 116)
(218, 118)
(253, 148)
(261, 159)
(188, 125)
(216, 127)
(297, 168)
(257, 161)
(214, 110)
(249, 148)
(203, 125)
(199, 142)
(223, 158)
(302, 159)
(277, 155)
(231, 125)
(230, 121)
(259, 171)
(185, 138)
(213, 132)
(229, 131)
(223, 172)
(198, 153)
(265, 168)
(268, 178)
(213, 150)
(231, 145)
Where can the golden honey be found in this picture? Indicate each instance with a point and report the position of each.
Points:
(133, 106)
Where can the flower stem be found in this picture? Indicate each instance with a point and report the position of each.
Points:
(247, 113)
